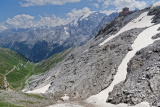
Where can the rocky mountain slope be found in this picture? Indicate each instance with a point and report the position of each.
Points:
(119, 65)
(41, 43)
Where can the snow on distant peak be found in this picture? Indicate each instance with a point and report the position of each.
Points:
(155, 4)
(75, 22)
(65, 28)
(86, 15)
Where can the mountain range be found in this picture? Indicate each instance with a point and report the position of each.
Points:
(118, 67)
(38, 44)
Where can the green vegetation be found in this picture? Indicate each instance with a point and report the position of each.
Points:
(15, 70)
(15, 67)
(18, 99)
(8, 59)
(3, 104)
(35, 96)
(18, 77)
(50, 62)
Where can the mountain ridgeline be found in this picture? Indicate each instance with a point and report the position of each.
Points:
(119, 65)
(41, 43)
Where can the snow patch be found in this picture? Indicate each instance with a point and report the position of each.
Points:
(65, 29)
(65, 105)
(75, 22)
(86, 15)
(85, 51)
(143, 104)
(39, 90)
(142, 21)
(144, 39)
(65, 97)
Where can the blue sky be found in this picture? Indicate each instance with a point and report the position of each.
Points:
(35, 13)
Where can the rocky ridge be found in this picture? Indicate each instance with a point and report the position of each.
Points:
(91, 68)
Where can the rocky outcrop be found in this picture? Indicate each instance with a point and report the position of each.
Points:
(89, 69)
(143, 79)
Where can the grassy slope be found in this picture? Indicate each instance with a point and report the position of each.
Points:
(23, 68)
(18, 99)
(50, 62)
(16, 78)
(8, 59)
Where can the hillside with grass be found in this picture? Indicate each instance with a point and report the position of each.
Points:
(49, 63)
(14, 69)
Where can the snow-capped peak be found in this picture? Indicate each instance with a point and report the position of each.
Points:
(75, 22)
(86, 15)
(65, 28)
(156, 4)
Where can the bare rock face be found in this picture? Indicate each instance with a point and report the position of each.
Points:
(89, 69)
(143, 79)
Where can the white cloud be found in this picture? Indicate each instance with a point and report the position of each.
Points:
(100, 0)
(2, 27)
(19, 21)
(27, 21)
(129, 3)
(107, 12)
(74, 14)
(106, 3)
(49, 21)
(119, 4)
(96, 5)
(26, 3)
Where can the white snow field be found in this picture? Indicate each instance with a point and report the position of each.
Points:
(86, 15)
(65, 105)
(140, 22)
(39, 90)
(144, 39)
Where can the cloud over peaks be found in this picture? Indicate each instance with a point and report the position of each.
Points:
(129, 3)
(26, 21)
(27, 3)
(74, 14)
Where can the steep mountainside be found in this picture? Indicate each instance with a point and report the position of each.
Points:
(119, 65)
(41, 43)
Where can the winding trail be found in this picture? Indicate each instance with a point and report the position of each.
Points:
(11, 70)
